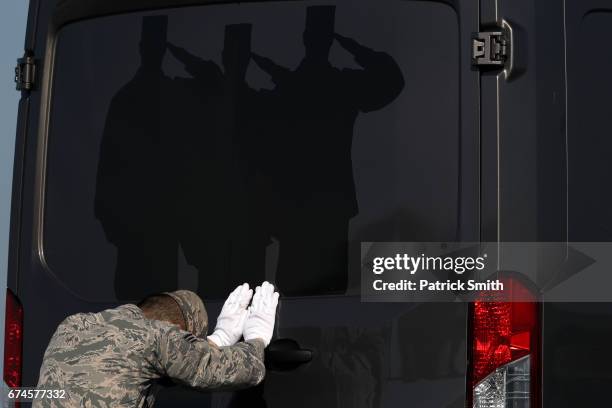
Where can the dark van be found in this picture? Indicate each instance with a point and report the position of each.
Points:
(201, 144)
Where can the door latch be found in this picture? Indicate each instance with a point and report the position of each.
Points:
(494, 49)
(25, 73)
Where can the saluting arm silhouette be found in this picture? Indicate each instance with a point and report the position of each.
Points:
(197, 67)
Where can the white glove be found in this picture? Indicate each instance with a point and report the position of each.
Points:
(262, 313)
(230, 322)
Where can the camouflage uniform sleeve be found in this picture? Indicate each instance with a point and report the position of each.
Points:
(194, 362)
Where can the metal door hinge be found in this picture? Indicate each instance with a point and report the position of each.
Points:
(489, 48)
(494, 49)
(25, 73)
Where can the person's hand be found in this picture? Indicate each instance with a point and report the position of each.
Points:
(194, 65)
(262, 313)
(351, 45)
(345, 42)
(179, 52)
(277, 72)
(230, 322)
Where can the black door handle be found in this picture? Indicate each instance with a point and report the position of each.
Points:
(290, 356)
(286, 354)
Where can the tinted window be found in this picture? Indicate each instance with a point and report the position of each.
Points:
(589, 143)
(208, 146)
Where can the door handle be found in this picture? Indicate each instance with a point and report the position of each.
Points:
(286, 354)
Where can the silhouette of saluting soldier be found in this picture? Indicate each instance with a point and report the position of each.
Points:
(135, 191)
(222, 232)
(313, 117)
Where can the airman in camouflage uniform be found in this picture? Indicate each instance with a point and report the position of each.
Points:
(114, 358)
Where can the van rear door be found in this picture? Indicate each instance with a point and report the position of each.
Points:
(546, 170)
(577, 335)
(195, 145)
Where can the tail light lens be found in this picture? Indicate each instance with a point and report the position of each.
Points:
(13, 340)
(504, 341)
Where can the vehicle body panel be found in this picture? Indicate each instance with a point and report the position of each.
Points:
(513, 186)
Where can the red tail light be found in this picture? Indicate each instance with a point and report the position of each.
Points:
(13, 340)
(504, 341)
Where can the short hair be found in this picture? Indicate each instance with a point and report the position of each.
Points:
(162, 307)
